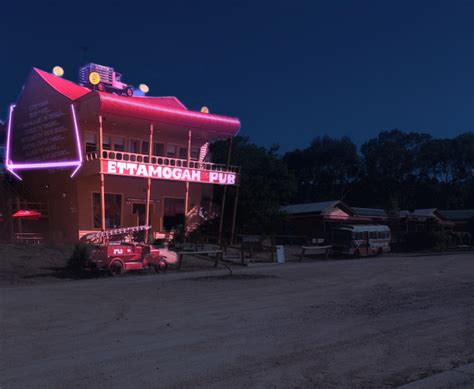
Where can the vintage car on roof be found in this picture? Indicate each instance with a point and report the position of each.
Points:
(104, 79)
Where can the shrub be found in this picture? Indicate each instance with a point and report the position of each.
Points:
(80, 257)
(438, 240)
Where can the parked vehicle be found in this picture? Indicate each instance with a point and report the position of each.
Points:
(361, 240)
(106, 79)
(116, 251)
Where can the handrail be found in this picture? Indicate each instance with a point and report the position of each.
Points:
(159, 160)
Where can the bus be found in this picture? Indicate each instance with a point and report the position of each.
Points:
(361, 240)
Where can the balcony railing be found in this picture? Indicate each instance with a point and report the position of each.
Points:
(162, 161)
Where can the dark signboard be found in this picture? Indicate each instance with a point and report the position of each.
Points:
(42, 125)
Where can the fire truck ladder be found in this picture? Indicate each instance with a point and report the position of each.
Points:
(115, 231)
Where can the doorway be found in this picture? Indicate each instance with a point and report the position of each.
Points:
(139, 212)
(173, 213)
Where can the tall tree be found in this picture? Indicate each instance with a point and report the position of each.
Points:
(392, 166)
(266, 183)
(325, 170)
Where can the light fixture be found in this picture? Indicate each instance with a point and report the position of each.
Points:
(58, 71)
(94, 78)
(144, 88)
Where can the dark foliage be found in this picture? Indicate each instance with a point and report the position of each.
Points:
(80, 257)
(394, 171)
(266, 183)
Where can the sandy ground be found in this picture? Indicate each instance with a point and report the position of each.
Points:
(368, 323)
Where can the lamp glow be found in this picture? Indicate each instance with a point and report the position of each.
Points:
(94, 78)
(58, 71)
(205, 109)
(144, 88)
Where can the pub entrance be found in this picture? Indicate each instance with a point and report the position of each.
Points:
(173, 213)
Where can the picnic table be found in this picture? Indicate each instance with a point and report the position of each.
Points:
(29, 237)
(315, 250)
(218, 255)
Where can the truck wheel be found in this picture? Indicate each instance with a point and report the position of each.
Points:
(116, 268)
(161, 266)
(101, 87)
(129, 92)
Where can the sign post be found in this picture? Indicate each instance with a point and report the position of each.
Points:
(102, 183)
(148, 186)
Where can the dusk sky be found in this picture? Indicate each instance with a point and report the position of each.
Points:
(290, 70)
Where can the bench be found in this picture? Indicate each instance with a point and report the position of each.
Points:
(181, 254)
(28, 237)
(315, 250)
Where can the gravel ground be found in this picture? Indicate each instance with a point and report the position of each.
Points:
(368, 323)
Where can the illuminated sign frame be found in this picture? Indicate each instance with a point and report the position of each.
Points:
(12, 166)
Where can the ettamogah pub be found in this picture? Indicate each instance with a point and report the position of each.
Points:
(99, 157)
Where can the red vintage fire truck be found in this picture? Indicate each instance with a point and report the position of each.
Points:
(116, 251)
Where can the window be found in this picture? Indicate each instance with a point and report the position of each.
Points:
(158, 149)
(145, 146)
(113, 210)
(91, 142)
(119, 143)
(106, 142)
(171, 151)
(183, 152)
(135, 146)
(195, 153)
(372, 235)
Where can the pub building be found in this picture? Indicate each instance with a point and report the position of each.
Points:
(97, 157)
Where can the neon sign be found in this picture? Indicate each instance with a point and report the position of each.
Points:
(133, 169)
(12, 166)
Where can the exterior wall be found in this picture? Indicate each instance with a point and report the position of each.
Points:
(133, 189)
(57, 190)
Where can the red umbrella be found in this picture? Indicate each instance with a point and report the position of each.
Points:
(27, 214)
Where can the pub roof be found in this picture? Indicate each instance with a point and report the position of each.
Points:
(167, 111)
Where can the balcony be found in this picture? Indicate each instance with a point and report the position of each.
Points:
(168, 168)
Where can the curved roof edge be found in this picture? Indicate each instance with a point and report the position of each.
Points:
(67, 88)
(166, 109)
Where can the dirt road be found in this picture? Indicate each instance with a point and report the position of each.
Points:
(378, 322)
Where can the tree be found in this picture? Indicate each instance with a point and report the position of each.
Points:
(392, 166)
(449, 166)
(266, 183)
(325, 170)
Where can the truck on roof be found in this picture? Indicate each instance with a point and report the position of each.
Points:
(104, 79)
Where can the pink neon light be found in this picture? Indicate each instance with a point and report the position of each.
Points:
(76, 170)
(16, 175)
(9, 130)
(43, 165)
(76, 129)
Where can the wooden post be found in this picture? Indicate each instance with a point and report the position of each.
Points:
(19, 223)
(102, 181)
(148, 186)
(221, 222)
(234, 215)
(10, 219)
(186, 198)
